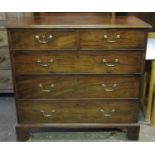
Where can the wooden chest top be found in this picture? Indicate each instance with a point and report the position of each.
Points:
(77, 22)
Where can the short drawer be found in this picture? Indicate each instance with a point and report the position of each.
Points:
(3, 38)
(112, 39)
(42, 39)
(4, 58)
(80, 62)
(5, 80)
(85, 111)
(77, 86)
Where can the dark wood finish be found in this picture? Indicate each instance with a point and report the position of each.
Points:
(127, 39)
(25, 39)
(28, 87)
(24, 130)
(94, 39)
(97, 64)
(133, 133)
(96, 21)
(148, 17)
(73, 111)
(23, 134)
(79, 62)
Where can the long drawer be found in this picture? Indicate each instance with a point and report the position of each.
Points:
(4, 58)
(5, 80)
(79, 62)
(77, 86)
(38, 39)
(87, 111)
(112, 39)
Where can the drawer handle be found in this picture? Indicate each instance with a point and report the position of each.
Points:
(111, 39)
(110, 64)
(107, 114)
(43, 39)
(102, 110)
(46, 90)
(2, 59)
(4, 79)
(109, 89)
(46, 114)
(45, 65)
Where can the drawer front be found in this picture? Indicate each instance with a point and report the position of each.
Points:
(43, 39)
(4, 58)
(5, 80)
(77, 111)
(3, 38)
(77, 86)
(87, 62)
(112, 39)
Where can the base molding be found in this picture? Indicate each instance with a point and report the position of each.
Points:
(23, 130)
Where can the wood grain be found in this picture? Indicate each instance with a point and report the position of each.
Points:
(79, 62)
(128, 39)
(86, 111)
(69, 86)
(79, 21)
(25, 39)
(78, 89)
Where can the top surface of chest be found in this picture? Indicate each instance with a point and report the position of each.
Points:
(96, 21)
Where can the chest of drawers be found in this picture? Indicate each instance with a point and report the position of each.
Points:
(77, 72)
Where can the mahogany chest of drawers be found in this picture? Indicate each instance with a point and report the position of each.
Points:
(77, 72)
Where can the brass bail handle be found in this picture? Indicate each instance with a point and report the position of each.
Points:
(47, 115)
(108, 114)
(112, 39)
(43, 39)
(109, 89)
(46, 90)
(110, 64)
(39, 61)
